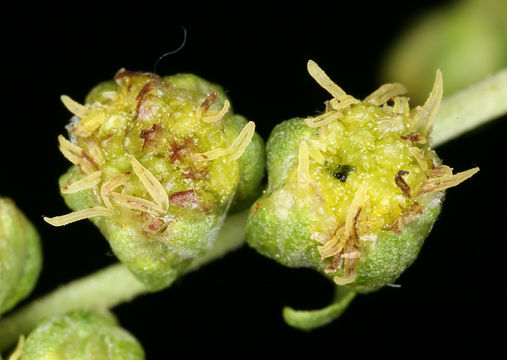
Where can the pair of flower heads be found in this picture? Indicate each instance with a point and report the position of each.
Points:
(159, 162)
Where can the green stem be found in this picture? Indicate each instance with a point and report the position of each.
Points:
(311, 319)
(470, 108)
(106, 288)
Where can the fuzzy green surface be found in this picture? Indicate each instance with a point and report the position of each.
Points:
(284, 236)
(390, 254)
(281, 233)
(152, 262)
(81, 335)
(282, 150)
(279, 228)
(20, 255)
(272, 228)
(154, 119)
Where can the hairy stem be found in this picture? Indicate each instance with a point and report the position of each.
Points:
(106, 288)
(470, 108)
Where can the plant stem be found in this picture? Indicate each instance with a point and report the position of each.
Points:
(469, 108)
(311, 319)
(106, 288)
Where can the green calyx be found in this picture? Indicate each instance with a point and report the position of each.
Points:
(352, 193)
(20, 255)
(81, 335)
(158, 164)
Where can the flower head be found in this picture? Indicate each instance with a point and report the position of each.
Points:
(353, 192)
(158, 162)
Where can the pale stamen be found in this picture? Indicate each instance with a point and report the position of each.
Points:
(444, 182)
(74, 107)
(323, 119)
(384, 93)
(135, 203)
(401, 105)
(418, 154)
(76, 155)
(344, 280)
(344, 244)
(339, 102)
(439, 171)
(78, 215)
(87, 182)
(215, 116)
(89, 124)
(354, 209)
(111, 185)
(352, 255)
(343, 102)
(323, 80)
(150, 182)
(94, 151)
(235, 150)
(424, 118)
(335, 245)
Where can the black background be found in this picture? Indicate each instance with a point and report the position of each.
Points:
(451, 301)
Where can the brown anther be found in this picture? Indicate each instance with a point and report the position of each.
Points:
(195, 172)
(356, 217)
(400, 182)
(146, 101)
(189, 199)
(150, 85)
(208, 102)
(184, 198)
(179, 150)
(413, 137)
(156, 224)
(152, 225)
(147, 107)
(151, 137)
(92, 163)
(335, 265)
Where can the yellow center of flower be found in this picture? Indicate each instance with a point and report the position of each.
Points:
(365, 167)
(156, 146)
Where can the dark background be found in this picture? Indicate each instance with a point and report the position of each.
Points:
(451, 301)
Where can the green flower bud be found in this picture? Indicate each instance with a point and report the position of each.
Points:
(352, 193)
(465, 39)
(158, 163)
(81, 335)
(20, 255)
